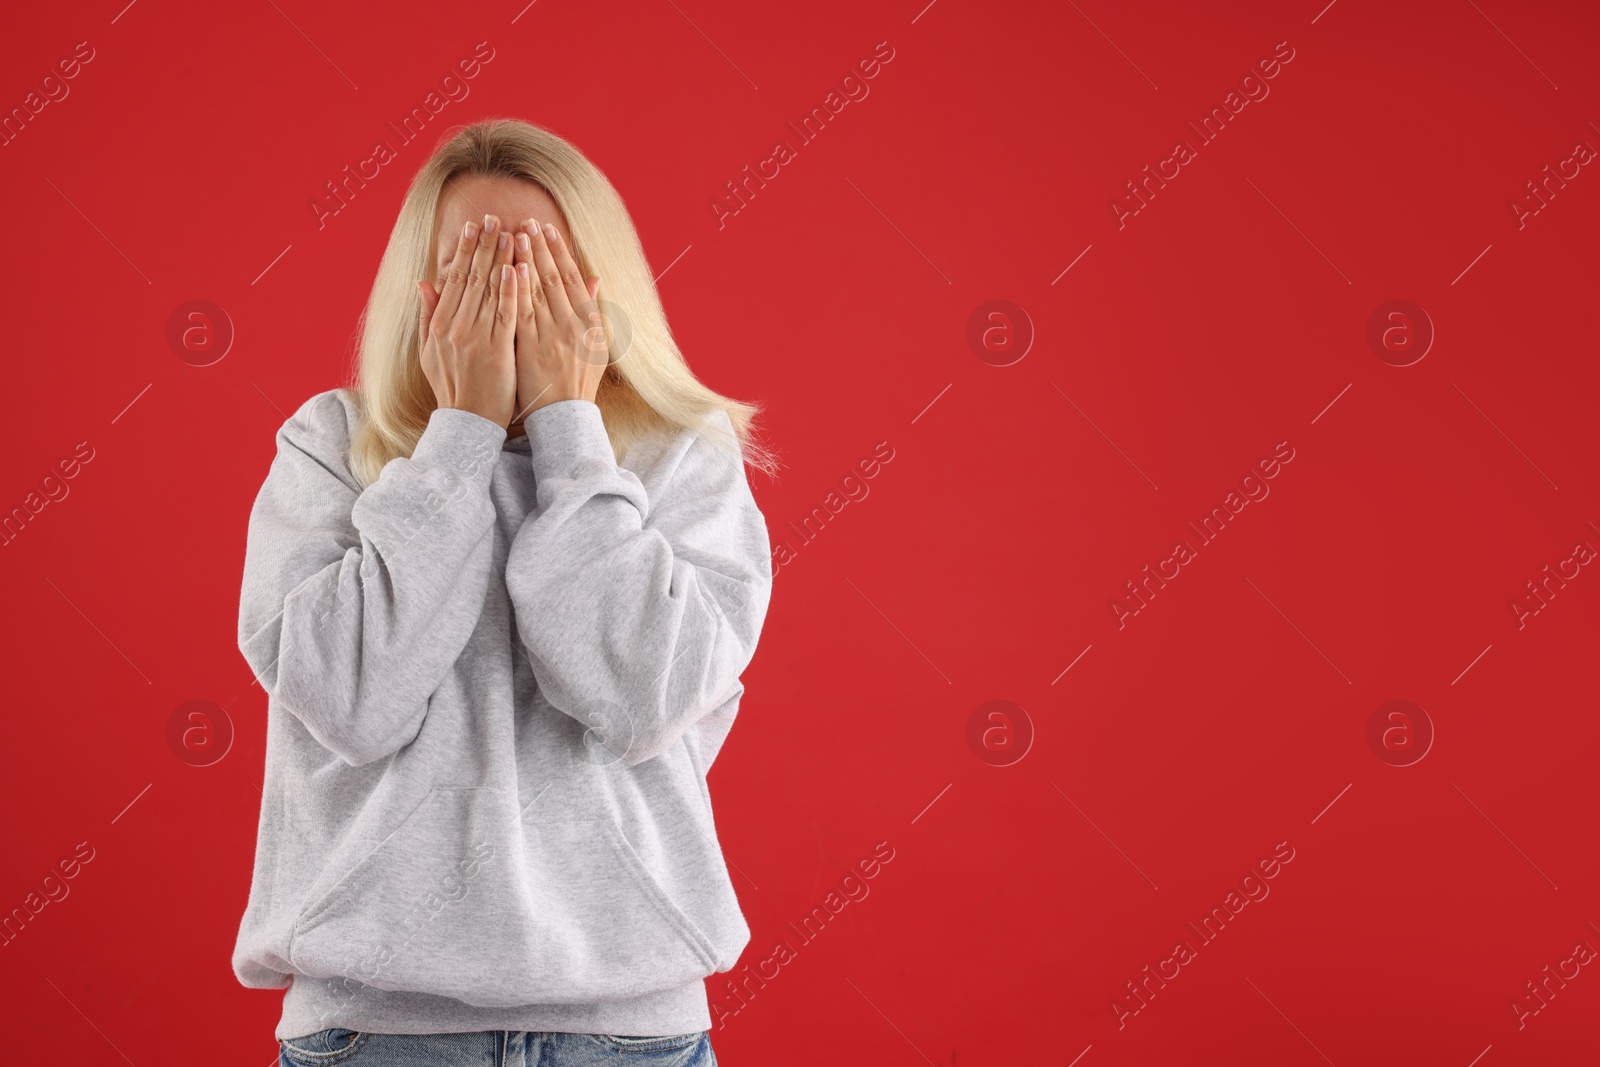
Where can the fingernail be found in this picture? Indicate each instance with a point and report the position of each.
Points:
(522, 271)
(550, 233)
(503, 241)
(470, 230)
(505, 270)
(523, 244)
(488, 223)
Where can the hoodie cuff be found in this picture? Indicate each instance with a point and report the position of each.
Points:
(565, 434)
(459, 441)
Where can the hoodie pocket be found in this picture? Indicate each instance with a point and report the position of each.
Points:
(471, 898)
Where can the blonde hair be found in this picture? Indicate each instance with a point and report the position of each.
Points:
(647, 388)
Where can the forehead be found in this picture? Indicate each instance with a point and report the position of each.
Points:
(511, 200)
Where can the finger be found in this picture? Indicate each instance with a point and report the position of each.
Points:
(502, 257)
(455, 275)
(571, 277)
(505, 317)
(596, 349)
(555, 293)
(527, 320)
(477, 285)
(523, 251)
(544, 320)
(522, 257)
(428, 298)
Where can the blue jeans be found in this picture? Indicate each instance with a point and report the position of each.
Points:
(493, 1048)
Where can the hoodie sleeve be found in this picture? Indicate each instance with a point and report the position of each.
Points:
(355, 603)
(638, 615)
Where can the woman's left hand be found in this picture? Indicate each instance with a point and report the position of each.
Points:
(561, 343)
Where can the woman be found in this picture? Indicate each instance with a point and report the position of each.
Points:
(500, 594)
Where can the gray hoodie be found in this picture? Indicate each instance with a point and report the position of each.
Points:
(496, 679)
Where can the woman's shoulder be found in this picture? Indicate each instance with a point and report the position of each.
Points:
(322, 428)
(696, 459)
(328, 417)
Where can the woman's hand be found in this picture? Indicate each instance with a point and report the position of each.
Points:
(561, 342)
(468, 330)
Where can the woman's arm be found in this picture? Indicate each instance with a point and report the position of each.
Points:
(355, 605)
(638, 615)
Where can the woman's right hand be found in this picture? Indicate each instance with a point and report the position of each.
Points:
(468, 330)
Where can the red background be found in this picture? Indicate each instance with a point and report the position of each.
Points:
(1223, 318)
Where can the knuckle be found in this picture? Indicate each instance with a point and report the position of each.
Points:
(475, 277)
(572, 276)
(551, 278)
